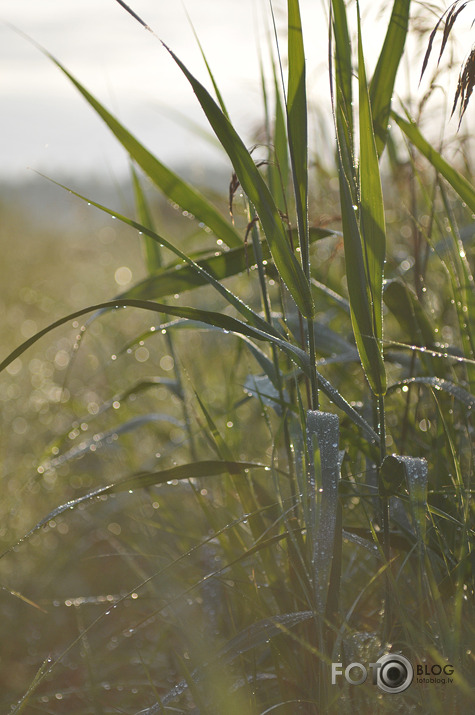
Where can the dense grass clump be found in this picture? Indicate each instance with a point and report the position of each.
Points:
(255, 461)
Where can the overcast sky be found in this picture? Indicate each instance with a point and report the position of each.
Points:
(46, 125)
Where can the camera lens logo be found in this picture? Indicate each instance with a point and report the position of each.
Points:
(394, 673)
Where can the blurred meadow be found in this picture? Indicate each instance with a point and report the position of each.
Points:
(238, 386)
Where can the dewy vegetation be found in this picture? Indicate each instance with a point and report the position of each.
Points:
(301, 496)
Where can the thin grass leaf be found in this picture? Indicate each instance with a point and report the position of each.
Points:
(372, 224)
(279, 168)
(323, 434)
(180, 278)
(166, 180)
(104, 439)
(437, 383)
(409, 313)
(258, 194)
(144, 480)
(242, 308)
(343, 101)
(153, 258)
(210, 73)
(40, 675)
(382, 84)
(297, 124)
(216, 320)
(458, 182)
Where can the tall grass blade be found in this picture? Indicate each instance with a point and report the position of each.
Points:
(382, 84)
(437, 383)
(179, 278)
(217, 320)
(166, 180)
(153, 258)
(344, 93)
(297, 124)
(195, 470)
(372, 224)
(258, 194)
(323, 434)
(458, 182)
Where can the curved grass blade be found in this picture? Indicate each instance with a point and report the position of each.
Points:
(194, 470)
(236, 302)
(101, 439)
(175, 188)
(372, 227)
(179, 278)
(216, 320)
(344, 92)
(153, 258)
(458, 182)
(258, 194)
(297, 125)
(438, 383)
(382, 84)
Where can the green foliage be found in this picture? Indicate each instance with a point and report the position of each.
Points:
(133, 581)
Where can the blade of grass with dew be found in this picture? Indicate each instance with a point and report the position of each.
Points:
(382, 83)
(458, 182)
(463, 287)
(249, 504)
(179, 278)
(177, 190)
(219, 321)
(372, 223)
(297, 125)
(153, 258)
(437, 383)
(258, 194)
(344, 92)
(103, 439)
(323, 434)
(360, 298)
(241, 307)
(279, 168)
(414, 322)
(143, 480)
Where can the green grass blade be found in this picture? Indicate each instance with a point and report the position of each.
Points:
(297, 124)
(216, 320)
(323, 434)
(344, 93)
(194, 470)
(166, 180)
(236, 302)
(258, 194)
(358, 290)
(180, 278)
(210, 73)
(279, 169)
(437, 383)
(382, 84)
(458, 182)
(153, 258)
(372, 225)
